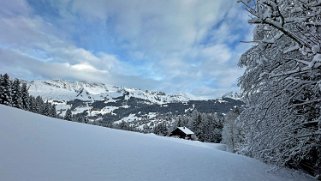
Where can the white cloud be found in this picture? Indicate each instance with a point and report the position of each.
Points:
(155, 25)
(218, 53)
(85, 67)
(162, 38)
(28, 45)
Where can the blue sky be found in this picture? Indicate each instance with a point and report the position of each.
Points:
(176, 46)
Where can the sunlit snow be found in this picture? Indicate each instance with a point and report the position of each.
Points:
(35, 147)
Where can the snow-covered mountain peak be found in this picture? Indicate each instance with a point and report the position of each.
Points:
(233, 95)
(106, 103)
(71, 90)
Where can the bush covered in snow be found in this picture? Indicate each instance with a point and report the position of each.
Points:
(281, 84)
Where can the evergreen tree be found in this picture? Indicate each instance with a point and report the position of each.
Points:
(68, 115)
(198, 127)
(53, 112)
(231, 133)
(146, 129)
(5, 87)
(32, 104)
(16, 94)
(46, 109)
(161, 129)
(39, 105)
(1, 89)
(179, 122)
(86, 120)
(123, 125)
(25, 97)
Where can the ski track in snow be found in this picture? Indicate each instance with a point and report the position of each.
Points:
(38, 148)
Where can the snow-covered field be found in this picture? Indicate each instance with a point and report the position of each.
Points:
(34, 147)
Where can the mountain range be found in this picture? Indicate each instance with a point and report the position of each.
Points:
(111, 104)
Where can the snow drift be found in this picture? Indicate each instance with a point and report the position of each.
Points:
(35, 147)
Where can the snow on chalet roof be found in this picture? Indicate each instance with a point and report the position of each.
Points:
(185, 130)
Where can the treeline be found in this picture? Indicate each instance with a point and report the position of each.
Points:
(206, 126)
(15, 93)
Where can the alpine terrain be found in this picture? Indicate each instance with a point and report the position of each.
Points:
(107, 104)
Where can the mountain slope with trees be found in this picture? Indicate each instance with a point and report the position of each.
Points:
(14, 93)
(134, 109)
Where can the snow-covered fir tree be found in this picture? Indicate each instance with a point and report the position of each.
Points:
(161, 129)
(197, 125)
(1, 87)
(5, 90)
(32, 104)
(68, 115)
(179, 122)
(16, 94)
(25, 97)
(39, 104)
(46, 109)
(232, 134)
(52, 111)
(212, 126)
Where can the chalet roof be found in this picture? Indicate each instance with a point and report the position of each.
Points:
(185, 130)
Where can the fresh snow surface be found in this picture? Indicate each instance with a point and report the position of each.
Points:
(37, 148)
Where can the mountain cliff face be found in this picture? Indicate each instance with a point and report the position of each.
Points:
(111, 104)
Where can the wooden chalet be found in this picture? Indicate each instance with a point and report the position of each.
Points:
(183, 132)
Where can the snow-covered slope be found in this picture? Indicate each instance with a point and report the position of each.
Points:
(35, 147)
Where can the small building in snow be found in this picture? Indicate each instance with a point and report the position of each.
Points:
(183, 132)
